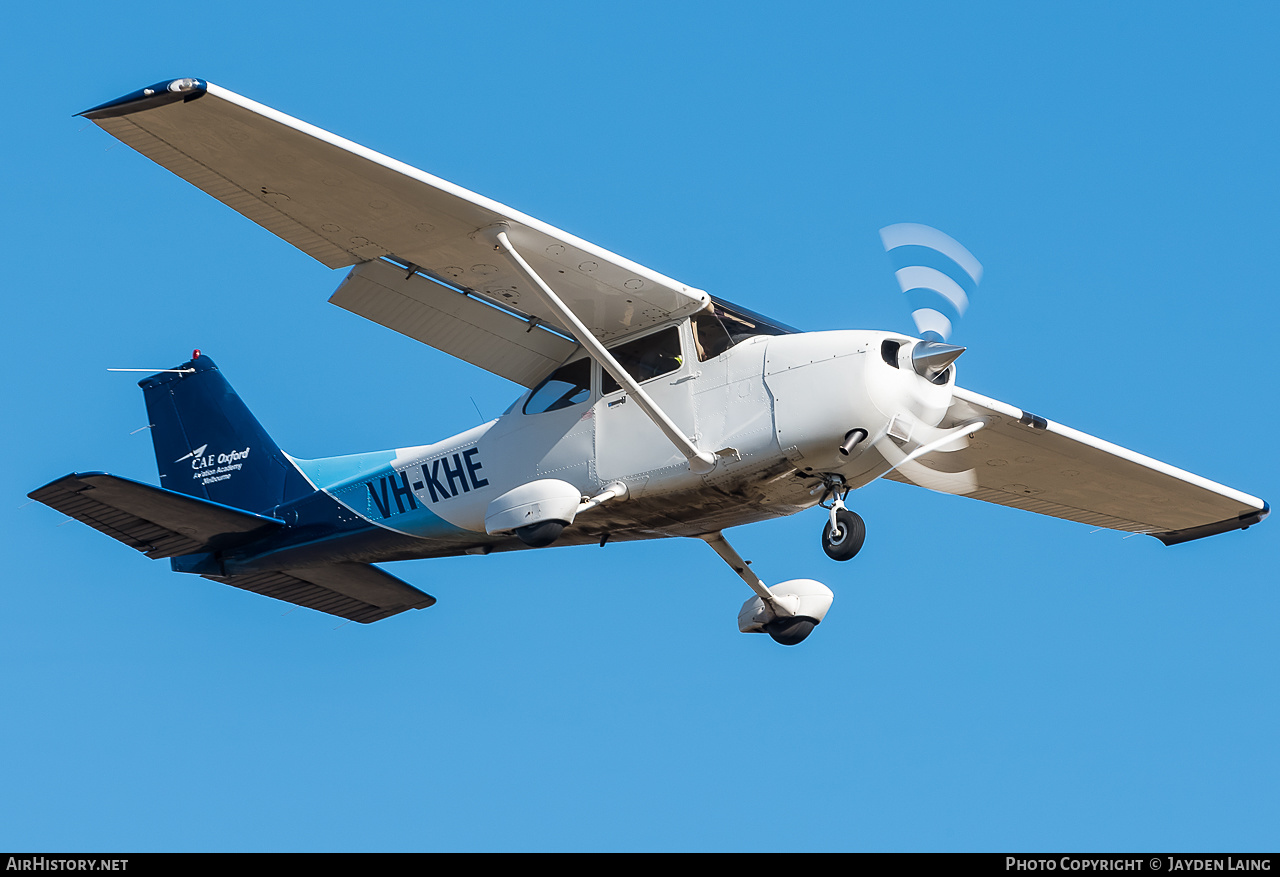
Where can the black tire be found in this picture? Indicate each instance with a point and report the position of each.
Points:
(542, 534)
(790, 631)
(853, 532)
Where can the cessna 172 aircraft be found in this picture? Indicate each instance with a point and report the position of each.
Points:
(653, 409)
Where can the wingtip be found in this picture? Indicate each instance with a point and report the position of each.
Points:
(161, 93)
(1243, 522)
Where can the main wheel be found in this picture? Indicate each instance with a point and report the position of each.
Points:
(542, 534)
(847, 542)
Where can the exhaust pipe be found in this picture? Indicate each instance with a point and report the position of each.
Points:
(851, 440)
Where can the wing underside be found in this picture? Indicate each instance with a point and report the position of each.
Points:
(473, 330)
(1027, 462)
(344, 204)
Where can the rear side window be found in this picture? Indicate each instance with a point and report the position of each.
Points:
(647, 357)
(567, 385)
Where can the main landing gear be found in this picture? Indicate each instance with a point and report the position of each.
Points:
(788, 611)
(845, 532)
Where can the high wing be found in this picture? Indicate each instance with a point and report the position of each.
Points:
(1027, 462)
(345, 205)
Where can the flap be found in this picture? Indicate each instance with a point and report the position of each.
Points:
(460, 325)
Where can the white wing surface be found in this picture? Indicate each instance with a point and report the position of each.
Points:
(344, 204)
(1024, 461)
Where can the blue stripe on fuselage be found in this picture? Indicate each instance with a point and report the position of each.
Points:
(320, 529)
(369, 486)
(401, 498)
(327, 472)
(368, 507)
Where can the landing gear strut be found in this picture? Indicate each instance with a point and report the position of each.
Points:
(788, 612)
(845, 532)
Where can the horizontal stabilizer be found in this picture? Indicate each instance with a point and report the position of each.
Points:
(157, 522)
(356, 591)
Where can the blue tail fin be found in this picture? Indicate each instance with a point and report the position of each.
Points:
(209, 445)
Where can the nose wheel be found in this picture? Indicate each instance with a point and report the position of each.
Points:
(843, 536)
(845, 532)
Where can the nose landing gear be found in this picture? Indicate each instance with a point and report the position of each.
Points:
(843, 536)
(845, 532)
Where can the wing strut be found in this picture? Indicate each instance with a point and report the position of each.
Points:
(700, 462)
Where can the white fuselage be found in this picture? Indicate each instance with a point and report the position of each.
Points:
(773, 408)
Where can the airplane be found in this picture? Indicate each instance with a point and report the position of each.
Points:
(651, 409)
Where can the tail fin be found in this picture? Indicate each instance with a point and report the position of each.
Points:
(210, 446)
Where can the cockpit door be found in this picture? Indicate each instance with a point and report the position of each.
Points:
(627, 441)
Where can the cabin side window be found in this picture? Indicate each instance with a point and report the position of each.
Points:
(718, 328)
(646, 358)
(567, 385)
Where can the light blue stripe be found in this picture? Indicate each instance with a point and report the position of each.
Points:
(328, 472)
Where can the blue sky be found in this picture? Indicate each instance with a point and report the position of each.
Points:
(986, 680)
